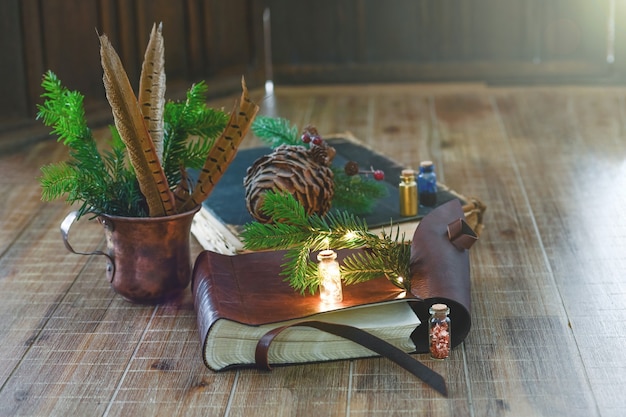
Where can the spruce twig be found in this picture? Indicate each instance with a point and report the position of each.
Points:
(275, 131)
(292, 230)
(84, 177)
(141, 172)
(190, 118)
(355, 194)
(104, 181)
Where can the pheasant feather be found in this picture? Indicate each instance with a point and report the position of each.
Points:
(133, 131)
(224, 149)
(181, 192)
(152, 87)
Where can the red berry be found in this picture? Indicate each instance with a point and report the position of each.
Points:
(379, 175)
(316, 140)
(306, 138)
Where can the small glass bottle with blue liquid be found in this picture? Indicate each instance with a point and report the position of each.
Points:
(427, 184)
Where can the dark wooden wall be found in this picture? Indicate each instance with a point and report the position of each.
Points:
(322, 41)
(424, 40)
(213, 40)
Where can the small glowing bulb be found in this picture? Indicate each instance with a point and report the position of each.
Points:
(350, 235)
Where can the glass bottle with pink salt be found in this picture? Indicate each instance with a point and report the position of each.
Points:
(439, 331)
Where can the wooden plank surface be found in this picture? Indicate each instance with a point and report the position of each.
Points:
(548, 303)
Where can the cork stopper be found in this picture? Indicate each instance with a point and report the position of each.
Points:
(439, 309)
(327, 254)
(427, 166)
(407, 176)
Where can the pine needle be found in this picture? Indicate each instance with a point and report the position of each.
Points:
(356, 194)
(184, 120)
(291, 229)
(56, 180)
(275, 131)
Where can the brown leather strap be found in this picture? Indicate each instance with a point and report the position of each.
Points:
(363, 338)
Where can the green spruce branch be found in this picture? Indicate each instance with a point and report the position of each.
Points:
(356, 194)
(103, 181)
(189, 118)
(292, 230)
(87, 176)
(276, 131)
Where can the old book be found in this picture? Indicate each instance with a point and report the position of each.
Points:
(243, 297)
(220, 220)
(239, 298)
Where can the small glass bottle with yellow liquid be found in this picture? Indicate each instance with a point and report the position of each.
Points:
(408, 193)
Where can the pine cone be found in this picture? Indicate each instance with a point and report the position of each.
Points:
(305, 173)
(322, 154)
(351, 168)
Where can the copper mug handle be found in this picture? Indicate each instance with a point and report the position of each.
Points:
(65, 231)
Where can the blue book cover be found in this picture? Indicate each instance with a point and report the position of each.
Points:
(227, 201)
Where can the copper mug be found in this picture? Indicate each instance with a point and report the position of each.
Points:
(148, 258)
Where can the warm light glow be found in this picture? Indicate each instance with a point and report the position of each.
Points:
(330, 277)
(350, 235)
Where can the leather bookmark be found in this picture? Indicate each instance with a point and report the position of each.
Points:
(363, 338)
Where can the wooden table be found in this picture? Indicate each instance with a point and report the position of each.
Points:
(548, 274)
